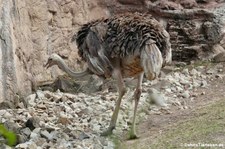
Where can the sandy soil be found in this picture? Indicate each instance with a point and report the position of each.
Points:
(158, 126)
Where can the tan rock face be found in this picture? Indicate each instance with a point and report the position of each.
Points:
(30, 30)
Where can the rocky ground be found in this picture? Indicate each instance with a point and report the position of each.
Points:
(63, 120)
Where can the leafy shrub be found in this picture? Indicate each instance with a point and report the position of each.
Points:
(8, 135)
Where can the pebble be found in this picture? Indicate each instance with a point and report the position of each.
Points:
(30, 100)
(220, 70)
(179, 89)
(185, 71)
(200, 68)
(26, 131)
(96, 127)
(4, 146)
(83, 136)
(37, 130)
(7, 115)
(203, 93)
(46, 134)
(184, 82)
(194, 72)
(40, 95)
(185, 94)
(173, 89)
(27, 145)
(34, 135)
(40, 141)
(3, 112)
(196, 83)
(22, 146)
(211, 71)
(64, 120)
(204, 83)
(168, 90)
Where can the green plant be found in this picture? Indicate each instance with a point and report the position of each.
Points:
(8, 135)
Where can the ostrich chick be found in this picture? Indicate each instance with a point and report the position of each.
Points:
(127, 45)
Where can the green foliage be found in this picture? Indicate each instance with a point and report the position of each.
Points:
(8, 135)
(115, 140)
(204, 125)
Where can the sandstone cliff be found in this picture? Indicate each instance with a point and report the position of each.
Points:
(30, 30)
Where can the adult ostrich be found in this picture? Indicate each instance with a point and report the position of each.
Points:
(127, 45)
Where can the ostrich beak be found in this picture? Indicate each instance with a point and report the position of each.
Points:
(48, 64)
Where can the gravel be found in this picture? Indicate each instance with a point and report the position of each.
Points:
(65, 120)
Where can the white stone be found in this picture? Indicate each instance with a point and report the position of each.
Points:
(26, 145)
(34, 135)
(203, 76)
(96, 127)
(31, 100)
(220, 70)
(46, 134)
(179, 89)
(186, 94)
(203, 93)
(194, 72)
(22, 146)
(2, 112)
(204, 83)
(37, 130)
(7, 115)
(200, 68)
(40, 95)
(173, 89)
(185, 71)
(5, 146)
(184, 82)
(211, 71)
(196, 83)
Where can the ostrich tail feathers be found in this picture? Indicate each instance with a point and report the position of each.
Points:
(151, 60)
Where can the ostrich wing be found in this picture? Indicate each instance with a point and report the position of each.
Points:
(97, 59)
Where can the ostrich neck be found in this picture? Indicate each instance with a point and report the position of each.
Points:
(62, 65)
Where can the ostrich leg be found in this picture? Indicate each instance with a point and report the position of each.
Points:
(137, 95)
(122, 90)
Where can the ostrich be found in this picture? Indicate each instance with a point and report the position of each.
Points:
(127, 45)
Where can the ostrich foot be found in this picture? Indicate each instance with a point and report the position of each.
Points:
(132, 137)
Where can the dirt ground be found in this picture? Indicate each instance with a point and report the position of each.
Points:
(201, 125)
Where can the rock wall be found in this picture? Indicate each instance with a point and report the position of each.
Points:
(196, 27)
(30, 30)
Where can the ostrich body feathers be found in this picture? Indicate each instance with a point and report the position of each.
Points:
(138, 40)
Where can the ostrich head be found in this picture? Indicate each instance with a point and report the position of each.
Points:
(54, 59)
